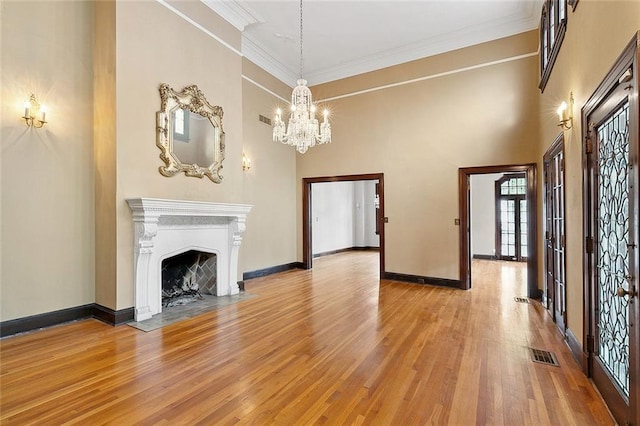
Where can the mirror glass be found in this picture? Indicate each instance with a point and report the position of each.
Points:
(194, 138)
(190, 134)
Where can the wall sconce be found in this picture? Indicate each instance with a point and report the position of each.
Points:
(565, 114)
(246, 162)
(34, 114)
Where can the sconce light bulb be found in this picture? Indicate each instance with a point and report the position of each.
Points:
(561, 110)
(246, 162)
(35, 114)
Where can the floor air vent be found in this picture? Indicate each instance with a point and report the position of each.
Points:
(544, 357)
(521, 299)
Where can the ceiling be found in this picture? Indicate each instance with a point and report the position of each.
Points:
(345, 38)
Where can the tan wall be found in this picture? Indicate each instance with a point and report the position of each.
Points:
(104, 150)
(47, 174)
(419, 134)
(597, 32)
(269, 185)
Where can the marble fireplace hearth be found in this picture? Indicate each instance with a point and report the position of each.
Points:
(164, 228)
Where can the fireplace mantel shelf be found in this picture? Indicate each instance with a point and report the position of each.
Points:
(162, 207)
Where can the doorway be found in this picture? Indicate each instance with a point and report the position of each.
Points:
(554, 292)
(464, 179)
(307, 208)
(610, 120)
(511, 217)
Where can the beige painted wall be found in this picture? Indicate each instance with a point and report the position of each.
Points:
(269, 185)
(47, 174)
(104, 150)
(597, 32)
(419, 134)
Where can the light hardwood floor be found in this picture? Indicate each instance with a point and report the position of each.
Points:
(333, 345)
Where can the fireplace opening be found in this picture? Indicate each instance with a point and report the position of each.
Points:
(187, 276)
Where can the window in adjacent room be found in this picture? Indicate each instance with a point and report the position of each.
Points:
(181, 125)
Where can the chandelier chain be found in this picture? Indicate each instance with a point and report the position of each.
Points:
(301, 42)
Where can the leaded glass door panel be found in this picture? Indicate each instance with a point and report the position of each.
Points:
(612, 176)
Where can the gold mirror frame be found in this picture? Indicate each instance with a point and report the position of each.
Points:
(193, 100)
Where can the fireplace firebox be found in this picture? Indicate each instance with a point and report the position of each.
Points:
(186, 277)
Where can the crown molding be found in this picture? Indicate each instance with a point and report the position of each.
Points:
(259, 56)
(235, 12)
(240, 15)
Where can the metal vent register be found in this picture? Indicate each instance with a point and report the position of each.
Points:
(544, 357)
(265, 120)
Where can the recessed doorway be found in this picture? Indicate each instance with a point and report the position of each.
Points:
(525, 221)
(307, 212)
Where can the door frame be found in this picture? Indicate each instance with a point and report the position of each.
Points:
(628, 58)
(556, 147)
(307, 246)
(464, 205)
(498, 219)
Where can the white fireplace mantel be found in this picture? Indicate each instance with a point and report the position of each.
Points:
(164, 228)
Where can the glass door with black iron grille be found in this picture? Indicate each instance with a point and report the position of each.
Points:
(611, 244)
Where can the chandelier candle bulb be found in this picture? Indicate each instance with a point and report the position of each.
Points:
(27, 107)
(43, 113)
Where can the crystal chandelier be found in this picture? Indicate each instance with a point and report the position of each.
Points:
(303, 130)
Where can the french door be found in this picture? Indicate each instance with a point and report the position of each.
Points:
(554, 232)
(511, 218)
(610, 120)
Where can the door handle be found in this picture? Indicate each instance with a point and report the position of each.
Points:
(622, 292)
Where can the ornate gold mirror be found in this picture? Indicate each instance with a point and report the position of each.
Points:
(189, 134)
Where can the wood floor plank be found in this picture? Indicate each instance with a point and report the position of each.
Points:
(333, 345)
